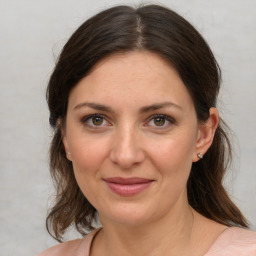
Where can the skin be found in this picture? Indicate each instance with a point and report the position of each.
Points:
(127, 139)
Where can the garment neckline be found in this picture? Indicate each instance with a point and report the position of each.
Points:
(94, 233)
(218, 238)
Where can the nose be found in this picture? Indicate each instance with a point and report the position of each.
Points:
(126, 149)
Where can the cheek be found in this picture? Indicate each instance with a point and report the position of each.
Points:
(173, 151)
(173, 159)
(87, 156)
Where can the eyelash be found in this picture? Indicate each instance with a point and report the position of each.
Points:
(86, 120)
(165, 117)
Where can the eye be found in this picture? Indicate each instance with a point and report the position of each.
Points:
(161, 121)
(95, 120)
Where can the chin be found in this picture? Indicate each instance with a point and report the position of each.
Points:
(128, 215)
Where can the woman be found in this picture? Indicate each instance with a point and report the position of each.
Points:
(138, 141)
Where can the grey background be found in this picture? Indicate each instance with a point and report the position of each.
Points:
(32, 34)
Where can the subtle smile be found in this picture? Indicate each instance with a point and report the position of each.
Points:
(128, 186)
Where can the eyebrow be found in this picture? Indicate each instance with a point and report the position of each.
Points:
(142, 109)
(94, 106)
(159, 106)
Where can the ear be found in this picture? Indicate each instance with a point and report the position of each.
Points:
(65, 143)
(206, 133)
(64, 140)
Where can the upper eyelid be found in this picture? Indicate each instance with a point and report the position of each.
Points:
(87, 117)
(169, 118)
(151, 117)
(93, 115)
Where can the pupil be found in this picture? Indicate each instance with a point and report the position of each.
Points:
(97, 120)
(159, 121)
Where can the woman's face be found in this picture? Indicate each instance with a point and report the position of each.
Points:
(132, 133)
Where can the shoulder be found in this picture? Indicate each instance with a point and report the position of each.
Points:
(234, 241)
(64, 249)
(78, 247)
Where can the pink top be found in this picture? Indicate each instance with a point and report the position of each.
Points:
(232, 242)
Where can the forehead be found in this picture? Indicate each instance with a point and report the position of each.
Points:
(140, 77)
(133, 65)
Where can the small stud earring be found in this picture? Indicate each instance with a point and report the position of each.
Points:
(68, 155)
(200, 155)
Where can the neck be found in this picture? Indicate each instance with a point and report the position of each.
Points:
(169, 235)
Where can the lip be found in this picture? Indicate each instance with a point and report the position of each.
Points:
(128, 186)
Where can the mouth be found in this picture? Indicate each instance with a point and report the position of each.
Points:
(128, 186)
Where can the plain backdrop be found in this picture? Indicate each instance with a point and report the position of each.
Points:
(32, 34)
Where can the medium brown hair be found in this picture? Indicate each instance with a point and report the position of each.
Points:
(162, 31)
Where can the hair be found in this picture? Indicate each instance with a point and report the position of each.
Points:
(162, 31)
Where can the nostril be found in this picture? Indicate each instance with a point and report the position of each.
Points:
(127, 158)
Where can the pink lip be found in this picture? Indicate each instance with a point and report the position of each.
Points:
(127, 186)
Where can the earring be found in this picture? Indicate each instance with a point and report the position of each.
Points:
(68, 156)
(200, 155)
